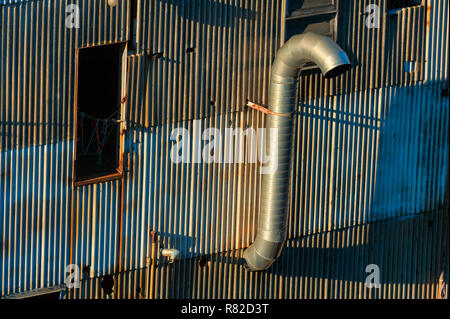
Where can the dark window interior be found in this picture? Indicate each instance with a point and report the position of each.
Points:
(98, 111)
(133, 26)
(398, 4)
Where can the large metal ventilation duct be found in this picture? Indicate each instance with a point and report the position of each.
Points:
(273, 215)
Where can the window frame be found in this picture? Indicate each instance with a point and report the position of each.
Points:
(315, 12)
(119, 174)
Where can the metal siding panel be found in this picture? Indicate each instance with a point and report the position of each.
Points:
(35, 217)
(37, 89)
(368, 156)
(329, 265)
(96, 228)
(378, 55)
(362, 155)
(184, 200)
(34, 176)
(234, 44)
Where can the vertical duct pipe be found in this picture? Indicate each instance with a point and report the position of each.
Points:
(273, 215)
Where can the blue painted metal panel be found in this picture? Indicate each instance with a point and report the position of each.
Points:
(363, 156)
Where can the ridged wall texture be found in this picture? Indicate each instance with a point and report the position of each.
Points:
(216, 54)
(379, 55)
(329, 265)
(371, 149)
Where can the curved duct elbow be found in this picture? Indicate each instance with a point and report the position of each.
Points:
(273, 215)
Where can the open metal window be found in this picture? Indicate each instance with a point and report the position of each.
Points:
(318, 16)
(99, 113)
(133, 26)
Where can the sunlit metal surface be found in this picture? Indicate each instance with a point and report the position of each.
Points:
(375, 149)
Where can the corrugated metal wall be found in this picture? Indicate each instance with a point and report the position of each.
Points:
(326, 265)
(232, 45)
(378, 55)
(35, 216)
(38, 66)
(360, 158)
(371, 145)
(37, 96)
(369, 155)
(240, 37)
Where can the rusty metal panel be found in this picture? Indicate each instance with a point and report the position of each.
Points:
(330, 265)
(372, 147)
(6, 2)
(197, 208)
(358, 159)
(211, 57)
(437, 48)
(100, 23)
(36, 85)
(95, 228)
(38, 66)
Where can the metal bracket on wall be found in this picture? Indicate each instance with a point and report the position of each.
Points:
(265, 110)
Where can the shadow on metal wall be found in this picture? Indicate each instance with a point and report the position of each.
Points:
(407, 252)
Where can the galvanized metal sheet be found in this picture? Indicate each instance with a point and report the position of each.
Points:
(360, 157)
(330, 265)
(368, 156)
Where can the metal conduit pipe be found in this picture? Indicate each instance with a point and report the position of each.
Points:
(273, 215)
